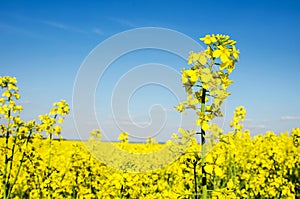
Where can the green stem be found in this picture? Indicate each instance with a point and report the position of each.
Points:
(234, 170)
(5, 182)
(39, 187)
(50, 143)
(195, 179)
(49, 164)
(11, 161)
(20, 165)
(121, 192)
(49, 155)
(204, 184)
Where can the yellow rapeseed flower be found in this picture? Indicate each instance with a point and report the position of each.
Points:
(209, 39)
(223, 53)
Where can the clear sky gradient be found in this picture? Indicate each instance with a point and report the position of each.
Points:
(43, 44)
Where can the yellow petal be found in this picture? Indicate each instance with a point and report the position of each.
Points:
(218, 171)
(205, 126)
(230, 184)
(224, 58)
(209, 158)
(223, 66)
(202, 60)
(208, 168)
(220, 160)
(217, 53)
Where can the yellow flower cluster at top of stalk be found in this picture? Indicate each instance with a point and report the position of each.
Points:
(11, 93)
(208, 78)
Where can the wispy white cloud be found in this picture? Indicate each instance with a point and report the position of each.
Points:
(18, 30)
(132, 123)
(98, 31)
(61, 26)
(55, 24)
(25, 102)
(256, 126)
(122, 22)
(170, 109)
(33, 21)
(248, 120)
(290, 118)
(25, 19)
(125, 120)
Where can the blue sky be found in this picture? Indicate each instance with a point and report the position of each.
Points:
(44, 43)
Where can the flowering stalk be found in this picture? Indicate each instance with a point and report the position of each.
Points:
(49, 125)
(7, 108)
(202, 82)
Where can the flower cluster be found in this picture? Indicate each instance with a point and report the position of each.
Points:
(56, 116)
(239, 115)
(123, 137)
(204, 82)
(9, 95)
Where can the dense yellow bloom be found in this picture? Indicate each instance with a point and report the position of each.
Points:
(235, 53)
(193, 57)
(123, 137)
(255, 172)
(296, 136)
(191, 75)
(180, 107)
(200, 57)
(223, 53)
(209, 39)
(215, 130)
(6, 94)
(60, 108)
(230, 184)
(225, 80)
